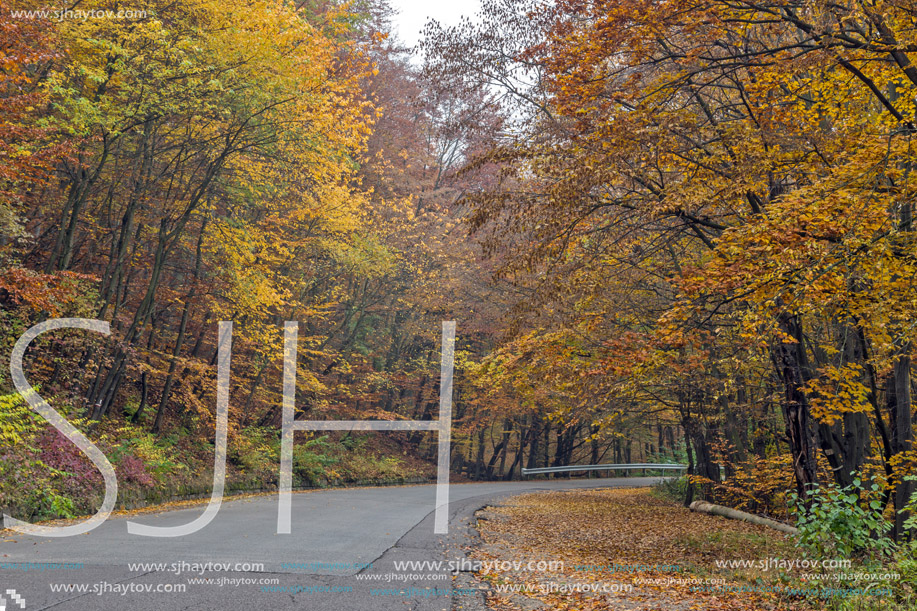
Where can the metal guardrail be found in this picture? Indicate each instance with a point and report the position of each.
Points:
(621, 467)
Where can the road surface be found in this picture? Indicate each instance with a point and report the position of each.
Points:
(341, 555)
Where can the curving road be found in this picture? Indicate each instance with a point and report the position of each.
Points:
(341, 555)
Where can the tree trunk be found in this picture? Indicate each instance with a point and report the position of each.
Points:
(534, 440)
(735, 514)
(898, 400)
(791, 363)
(144, 390)
(479, 458)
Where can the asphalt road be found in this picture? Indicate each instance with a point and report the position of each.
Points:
(340, 556)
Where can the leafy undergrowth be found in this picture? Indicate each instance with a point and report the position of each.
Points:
(45, 476)
(624, 549)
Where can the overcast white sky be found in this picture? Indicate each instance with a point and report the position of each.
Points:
(413, 14)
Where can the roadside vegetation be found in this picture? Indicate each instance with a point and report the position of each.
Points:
(43, 476)
(652, 553)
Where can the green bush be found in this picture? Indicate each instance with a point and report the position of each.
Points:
(672, 489)
(838, 524)
(906, 558)
(365, 467)
(159, 456)
(313, 462)
(254, 450)
(61, 505)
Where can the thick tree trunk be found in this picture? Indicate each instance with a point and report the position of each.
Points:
(689, 492)
(534, 440)
(523, 438)
(594, 453)
(791, 364)
(547, 444)
(499, 452)
(479, 457)
(507, 434)
(898, 400)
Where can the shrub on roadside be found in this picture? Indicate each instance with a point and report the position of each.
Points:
(254, 451)
(672, 489)
(313, 463)
(843, 522)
